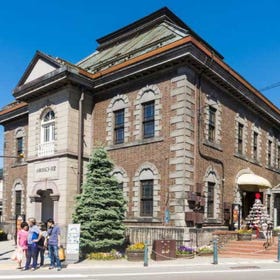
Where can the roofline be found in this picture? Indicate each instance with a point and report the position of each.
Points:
(198, 44)
(159, 15)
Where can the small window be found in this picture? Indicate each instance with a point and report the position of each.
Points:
(212, 124)
(255, 145)
(240, 138)
(278, 157)
(149, 119)
(18, 195)
(119, 126)
(146, 207)
(19, 146)
(269, 149)
(210, 199)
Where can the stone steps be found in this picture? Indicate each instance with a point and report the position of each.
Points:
(254, 249)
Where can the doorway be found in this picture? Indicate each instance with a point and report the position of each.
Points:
(248, 201)
(277, 207)
(47, 205)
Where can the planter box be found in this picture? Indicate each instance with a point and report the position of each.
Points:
(185, 256)
(205, 254)
(244, 236)
(135, 255)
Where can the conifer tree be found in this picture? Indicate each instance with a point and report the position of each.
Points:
(100, 207)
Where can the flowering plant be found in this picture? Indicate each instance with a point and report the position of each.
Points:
(136, 246)
(205, 249)
(183, 250)
(244, 231)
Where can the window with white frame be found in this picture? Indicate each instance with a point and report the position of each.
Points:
(48, 127)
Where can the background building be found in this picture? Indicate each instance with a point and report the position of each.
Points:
(190, 138)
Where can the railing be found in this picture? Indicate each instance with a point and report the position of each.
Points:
(45, 149)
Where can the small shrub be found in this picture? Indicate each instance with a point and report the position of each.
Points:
(136, 246)
(113, 255)
(205, 249)
(244, 231)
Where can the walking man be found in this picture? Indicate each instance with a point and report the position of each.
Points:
(53, 243)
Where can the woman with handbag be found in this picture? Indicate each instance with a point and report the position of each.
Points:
(21, 249)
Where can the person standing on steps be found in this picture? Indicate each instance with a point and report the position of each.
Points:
(34, 235)
(53, 244)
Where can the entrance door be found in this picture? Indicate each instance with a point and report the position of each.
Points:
(47, 205)
(277, 206)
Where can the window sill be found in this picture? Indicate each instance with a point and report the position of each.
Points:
(215, 146)
(143, 220)
(136, 143)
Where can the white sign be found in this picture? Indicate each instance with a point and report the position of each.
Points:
(44, 170)
(73, 239)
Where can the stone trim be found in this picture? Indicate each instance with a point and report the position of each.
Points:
(182, 151)
(146, 167)
(256, 129)
(18, 185)
(211, 176)
(148, 93)
(218, 125)
(122, 178)
(244, 122)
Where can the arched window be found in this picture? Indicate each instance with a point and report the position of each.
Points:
(48, 127)
(46, 146)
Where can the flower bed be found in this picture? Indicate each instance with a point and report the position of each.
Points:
(135, 252)
(184, 252)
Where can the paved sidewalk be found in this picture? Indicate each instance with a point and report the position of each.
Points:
(7, 248)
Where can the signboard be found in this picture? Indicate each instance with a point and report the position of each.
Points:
(73, 242)
(236, 216)
(44, 170)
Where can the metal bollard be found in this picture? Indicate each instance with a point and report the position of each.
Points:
(146, 254)
(278, 251)
(215, 251)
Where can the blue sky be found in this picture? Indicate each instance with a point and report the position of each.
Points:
(246, 33)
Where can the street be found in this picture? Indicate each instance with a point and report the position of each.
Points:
(242, 272)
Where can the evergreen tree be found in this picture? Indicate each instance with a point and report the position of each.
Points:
(100, 207)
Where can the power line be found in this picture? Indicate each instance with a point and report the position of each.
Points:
(271, 86)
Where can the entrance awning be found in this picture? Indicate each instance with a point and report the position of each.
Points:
(253, 180)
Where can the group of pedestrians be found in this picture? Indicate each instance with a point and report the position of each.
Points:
(32, 242)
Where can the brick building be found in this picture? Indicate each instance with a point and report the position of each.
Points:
(188, 135)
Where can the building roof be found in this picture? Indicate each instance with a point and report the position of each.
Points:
(156, 30)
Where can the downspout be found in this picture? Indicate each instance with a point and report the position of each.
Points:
(207, 157)
(80, 142)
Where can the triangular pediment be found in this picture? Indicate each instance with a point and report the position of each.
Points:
(40, 65)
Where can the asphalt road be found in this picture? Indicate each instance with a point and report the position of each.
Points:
(242, 272)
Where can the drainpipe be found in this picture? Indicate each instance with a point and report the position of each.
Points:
(80, 142)
(207, 157)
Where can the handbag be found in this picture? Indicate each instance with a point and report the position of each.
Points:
(61, 253)
(17, 255)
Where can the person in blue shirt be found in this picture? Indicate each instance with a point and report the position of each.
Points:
(53, 243)
(34, 235)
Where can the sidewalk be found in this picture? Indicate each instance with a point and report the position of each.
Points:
(8, 247)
